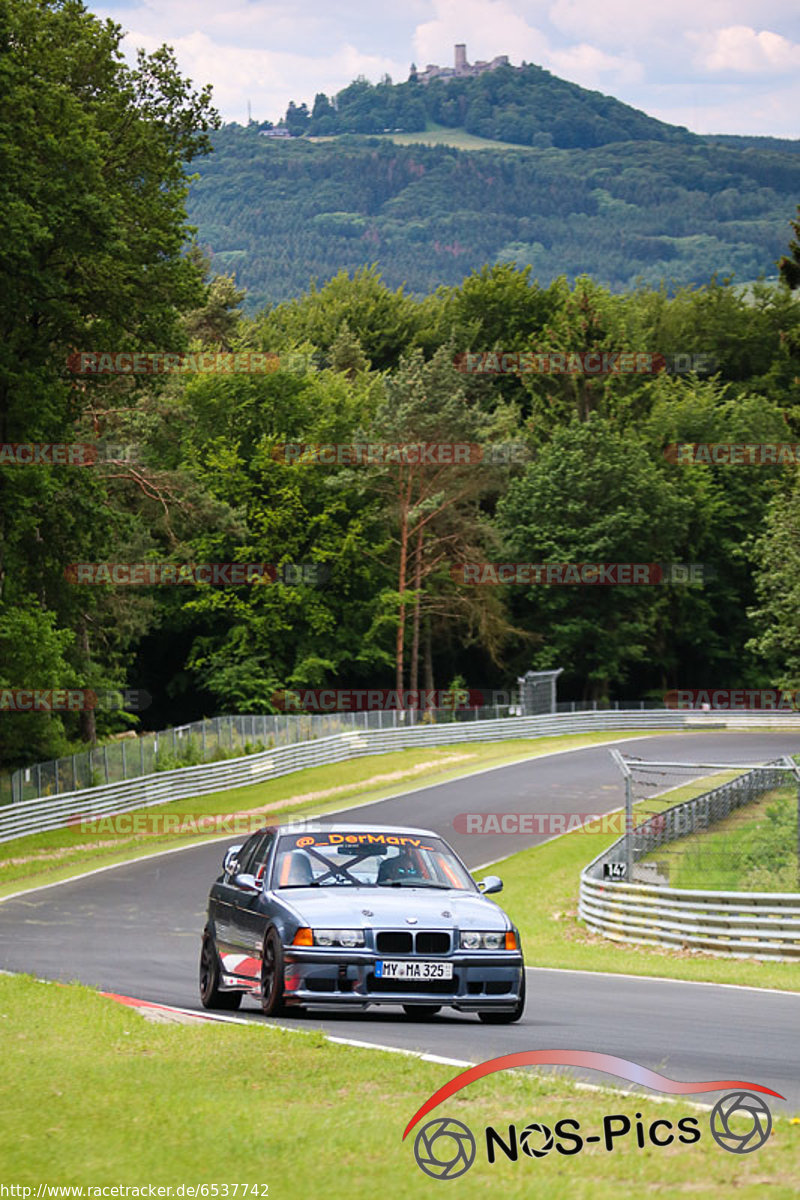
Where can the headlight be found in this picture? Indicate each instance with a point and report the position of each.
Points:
(339, 937)
(476, 940)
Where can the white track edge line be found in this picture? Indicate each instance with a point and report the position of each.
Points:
(739, 987)
(423, 1056)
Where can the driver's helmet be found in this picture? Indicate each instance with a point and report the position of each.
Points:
(403, 866)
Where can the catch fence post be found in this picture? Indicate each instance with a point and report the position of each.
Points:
(626, 771)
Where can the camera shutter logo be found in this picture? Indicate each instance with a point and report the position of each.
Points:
(734, 1105)
(444, 1148)
(527, 1140)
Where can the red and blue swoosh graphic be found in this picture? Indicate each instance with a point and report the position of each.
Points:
(608, 1063)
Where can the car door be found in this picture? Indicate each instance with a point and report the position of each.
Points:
(249, 911)
(227, 898)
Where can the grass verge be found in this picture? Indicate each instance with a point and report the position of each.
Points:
(439, 135)
(541, 895)
(96, 1095)
(444, 135)
(61, 853)
(752, 850)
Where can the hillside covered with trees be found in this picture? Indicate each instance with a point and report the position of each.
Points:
(280, 214)
(527, 106)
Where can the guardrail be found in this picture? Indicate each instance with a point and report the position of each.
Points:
(210, 740)
(37, 816)
(763, 925)
(222, 737)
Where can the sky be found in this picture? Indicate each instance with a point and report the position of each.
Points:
(722, 66)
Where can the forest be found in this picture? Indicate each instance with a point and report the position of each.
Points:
(281, 214)
(367, 588)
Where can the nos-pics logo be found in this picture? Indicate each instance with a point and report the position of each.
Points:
(445, 1148)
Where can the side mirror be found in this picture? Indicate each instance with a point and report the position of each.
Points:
(247, 883)
(492, 883)
(229, 858)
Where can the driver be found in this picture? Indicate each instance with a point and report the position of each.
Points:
(402, 866)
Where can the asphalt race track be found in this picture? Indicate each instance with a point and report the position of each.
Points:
(136, 930)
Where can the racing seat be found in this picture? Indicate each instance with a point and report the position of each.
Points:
(300, 872)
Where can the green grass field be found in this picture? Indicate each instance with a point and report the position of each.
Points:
(94, 1094)
(754, 849)
(441, 135)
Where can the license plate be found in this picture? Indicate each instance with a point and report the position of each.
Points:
(401, 969)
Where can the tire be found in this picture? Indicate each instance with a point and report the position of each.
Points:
(272, 982)
(505, 1018)
(421, 1012)
(210, 994)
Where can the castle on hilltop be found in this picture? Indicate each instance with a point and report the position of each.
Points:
(461, 70)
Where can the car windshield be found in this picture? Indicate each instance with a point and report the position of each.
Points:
(372, 860)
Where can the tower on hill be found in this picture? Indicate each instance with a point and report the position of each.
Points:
(462, 69)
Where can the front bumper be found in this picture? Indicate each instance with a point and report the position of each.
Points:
(481, 981)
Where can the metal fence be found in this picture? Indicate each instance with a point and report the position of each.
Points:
(764, 925)
(216, 738)
(699, 814)
(210, 740)
(36, 815)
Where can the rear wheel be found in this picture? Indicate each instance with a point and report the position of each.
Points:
(421, 1012)
(210, 994)
(272, 982)
(512, 1014)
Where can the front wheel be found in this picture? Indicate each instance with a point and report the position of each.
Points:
(210, 994)
(272, 981)
(513, 1014)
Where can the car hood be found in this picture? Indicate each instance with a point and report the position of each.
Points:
(388, 908)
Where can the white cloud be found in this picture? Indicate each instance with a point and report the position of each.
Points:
(493, 27)
(489, 27)
(267, 78)
(592, 68)
(621, 23)
(739, 48)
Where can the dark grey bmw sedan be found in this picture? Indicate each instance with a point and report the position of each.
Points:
(356, 915)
